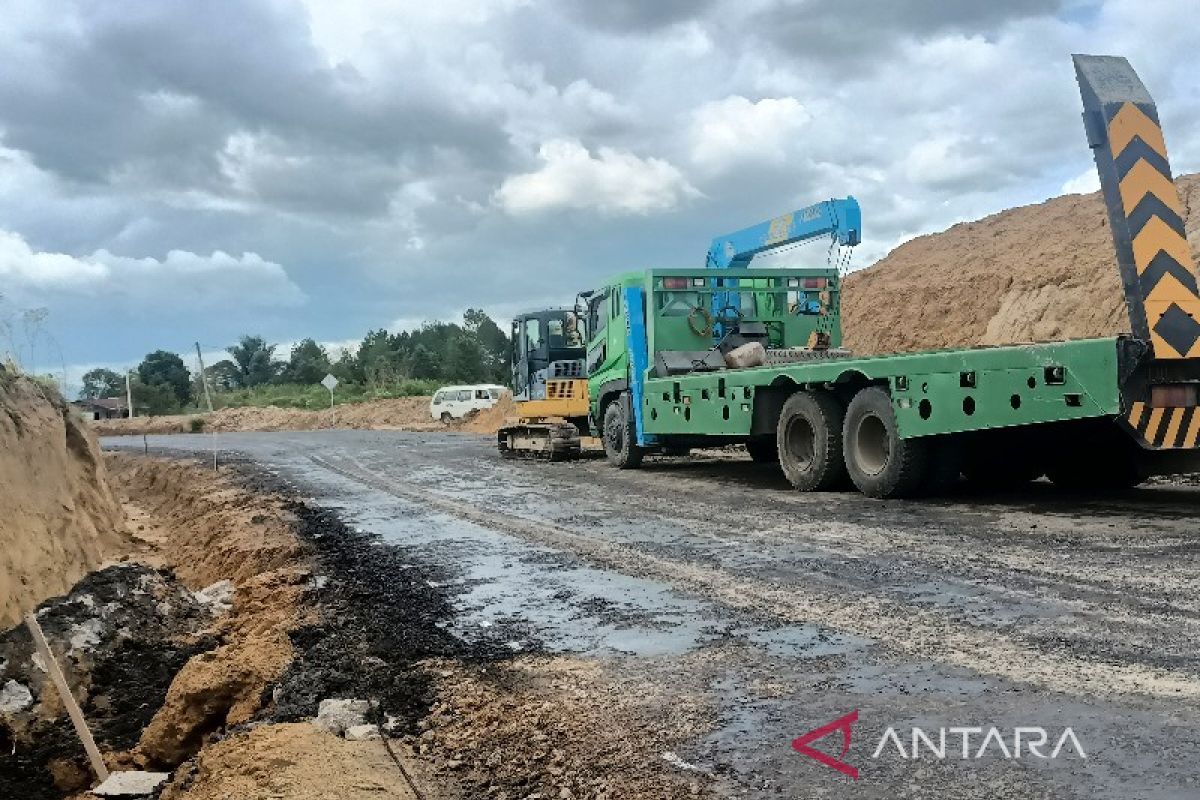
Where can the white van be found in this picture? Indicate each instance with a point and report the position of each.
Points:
(456, 402)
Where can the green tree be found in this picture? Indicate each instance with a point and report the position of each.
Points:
(224, 375)
(163, 369)
(347, 368)
(421, 362)
(255, 361)
(379, 358)
(497, 353)
(308, 364)
(466, 362)
(156, 398)
(101, 382)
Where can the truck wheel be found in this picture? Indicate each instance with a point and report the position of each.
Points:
(880, 463)
(620, 435)
(446, 418)
(809, 441)
(763, 451)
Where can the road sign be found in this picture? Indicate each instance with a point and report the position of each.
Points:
(329, 382)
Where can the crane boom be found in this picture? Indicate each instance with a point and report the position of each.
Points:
(840, 219)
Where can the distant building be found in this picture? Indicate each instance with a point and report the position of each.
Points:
(102, 408)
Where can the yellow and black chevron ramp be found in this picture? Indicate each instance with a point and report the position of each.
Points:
(1144, 211)
(1165, 428)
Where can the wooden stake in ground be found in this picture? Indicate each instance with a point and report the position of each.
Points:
(64, 692)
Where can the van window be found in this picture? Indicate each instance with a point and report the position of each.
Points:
(464, 394)
(494, 394)
(481, 394)
(437, 399)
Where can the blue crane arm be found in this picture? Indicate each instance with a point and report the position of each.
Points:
(840, 219)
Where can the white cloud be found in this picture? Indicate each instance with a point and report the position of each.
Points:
(1085, 182)
(727, 132)
(612, 182)
(184, 278)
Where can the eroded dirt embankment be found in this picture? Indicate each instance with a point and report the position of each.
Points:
(238, 609)
(57, 517)
(180, 640)
(1036, 273)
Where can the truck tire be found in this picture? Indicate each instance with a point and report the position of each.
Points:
(620, 435)
(808, 441)
(763, 450)
(880, 463)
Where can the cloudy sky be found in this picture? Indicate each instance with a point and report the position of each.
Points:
(179, 171)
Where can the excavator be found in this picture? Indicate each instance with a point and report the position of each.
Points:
(549, 355)
(549, 385)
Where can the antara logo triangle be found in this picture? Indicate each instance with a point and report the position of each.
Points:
(801, 744)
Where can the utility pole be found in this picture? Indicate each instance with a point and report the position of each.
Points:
(204, 378)
(129, 393)
(208, 400)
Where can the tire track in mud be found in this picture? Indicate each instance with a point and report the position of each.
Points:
(913, 632)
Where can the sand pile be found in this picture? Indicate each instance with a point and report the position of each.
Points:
(403, 413)
(489, 420)
(1037, 273)
(57, 517)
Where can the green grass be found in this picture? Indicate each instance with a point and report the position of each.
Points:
(313, 397)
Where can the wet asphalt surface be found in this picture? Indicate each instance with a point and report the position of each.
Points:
(782, 612)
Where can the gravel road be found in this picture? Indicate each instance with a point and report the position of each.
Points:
(773, 613)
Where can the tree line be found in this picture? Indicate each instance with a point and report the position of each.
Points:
(475, 351)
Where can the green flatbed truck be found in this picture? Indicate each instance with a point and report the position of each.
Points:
(730, 354)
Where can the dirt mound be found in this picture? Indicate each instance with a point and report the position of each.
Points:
(406, 413)
(489, 420)
(1037, 273)
(295, 761)
(402, 413)
(59, 519)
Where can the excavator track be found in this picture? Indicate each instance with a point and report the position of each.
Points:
(550, 441)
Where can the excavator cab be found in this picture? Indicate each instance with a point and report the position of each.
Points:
(547, 345)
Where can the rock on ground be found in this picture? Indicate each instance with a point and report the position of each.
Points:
(338, 716)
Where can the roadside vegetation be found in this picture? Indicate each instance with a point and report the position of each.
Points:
(258, 373)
